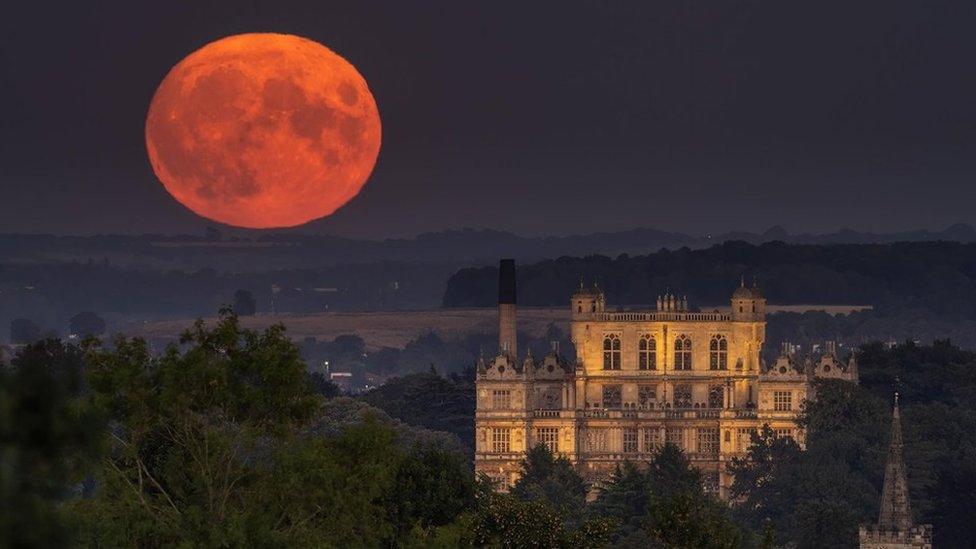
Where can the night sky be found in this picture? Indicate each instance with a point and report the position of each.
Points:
(532, 117)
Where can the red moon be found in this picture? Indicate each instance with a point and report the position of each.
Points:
(263, 130)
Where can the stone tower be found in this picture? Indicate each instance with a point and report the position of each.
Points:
(895, 528)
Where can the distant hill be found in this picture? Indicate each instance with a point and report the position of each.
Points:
(253, 252)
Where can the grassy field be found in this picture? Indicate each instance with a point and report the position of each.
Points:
(396, 328)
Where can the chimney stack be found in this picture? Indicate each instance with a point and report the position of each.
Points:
(507, 343)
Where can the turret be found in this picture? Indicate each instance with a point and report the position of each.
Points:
(507, 335)
(587, 301)
(748, 303)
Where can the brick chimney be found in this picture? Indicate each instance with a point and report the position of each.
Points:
(507, 342)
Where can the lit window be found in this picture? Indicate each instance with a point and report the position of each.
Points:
(612, 396)
(611, 352)
(783, 433)
(652, 440)
(710, 482)
(548, 437)
(675, 436)
(708, 440)
(718, 353)
(782, 401)
(595, 440)
(682, 353)
(501, 399)
(630, 441)
(744, 436)
(647, 352)
(500, 440)
(682, 396)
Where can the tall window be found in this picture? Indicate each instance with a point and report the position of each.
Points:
(682, 396)
(500, 440)
(611, 352)
(718, 353)
(682, 353)
(630, 440)
(647, 352)
(782, 401)
(652, 440)
(548, 437)
(716, 396)
(612, 396)
(501, 399)
(675, 435)
(646, 396)
(708, 440)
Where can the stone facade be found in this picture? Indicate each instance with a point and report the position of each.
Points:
(640, 379)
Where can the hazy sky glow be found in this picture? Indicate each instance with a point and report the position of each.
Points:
(539, 118)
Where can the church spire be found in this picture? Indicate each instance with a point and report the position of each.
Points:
(896, 514)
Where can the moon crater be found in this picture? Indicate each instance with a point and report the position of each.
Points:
(263, 130)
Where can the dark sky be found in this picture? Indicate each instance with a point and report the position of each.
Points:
(534, 117)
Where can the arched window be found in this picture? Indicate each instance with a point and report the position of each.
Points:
(682, 353)
(718, 353)
(647, 352)
(611, 352)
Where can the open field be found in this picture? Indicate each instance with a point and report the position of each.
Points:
(394, 329)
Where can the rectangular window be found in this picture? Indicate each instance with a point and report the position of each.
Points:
(782, 401)
(675, 436)
(744, 436)
(652, 440)
(716, 396)
(595, 440)
(630, 441)
(708, 441)
(548, 437)
(501, 399)
(682, 396)
(500, 440)
(646, 396)
(612, 396)
(783, 433)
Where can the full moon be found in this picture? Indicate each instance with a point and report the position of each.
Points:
(263, 130)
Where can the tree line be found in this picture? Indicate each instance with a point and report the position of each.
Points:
(933, 276)
(226, 440)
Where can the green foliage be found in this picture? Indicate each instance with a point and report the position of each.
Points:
(48, 441)
(552, 480)
(430, 401)
(505, 521)
(818, 497)
(664, 505)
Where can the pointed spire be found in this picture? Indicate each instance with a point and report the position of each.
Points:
(896, 514)
(742, 280)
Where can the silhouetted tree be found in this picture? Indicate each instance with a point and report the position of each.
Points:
(24, 330)
(244, 303)
(86, 324)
